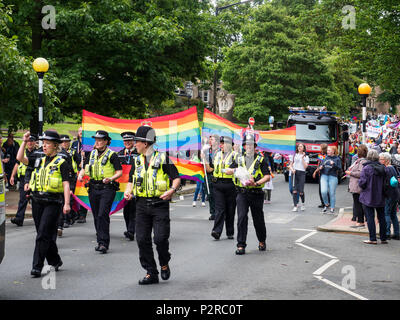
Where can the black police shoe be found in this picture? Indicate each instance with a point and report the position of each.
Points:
(215, 234)
(17, 222)
(81, 220)
(66, 225)
(102, 249)
(149, 279)
(231, 237)
(36, 273)
(165, 272)
(129, 235)
(240, 251)
(58, 265)
(211, 218)
(262, 246)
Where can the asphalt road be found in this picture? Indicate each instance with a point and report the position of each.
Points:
(299, 263)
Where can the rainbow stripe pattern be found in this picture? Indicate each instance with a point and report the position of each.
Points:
(175, 133)
(281, 141)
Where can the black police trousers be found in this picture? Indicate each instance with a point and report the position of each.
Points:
(45, 216)
(23, 201)
(255, 202)
(130, 216)
(225, 205)
(101, 201)
(152, 215)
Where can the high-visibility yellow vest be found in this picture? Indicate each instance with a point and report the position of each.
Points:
(220, 163)
(100, 168)
(152, 182)
(71, 152)
(47, 178)
(254, 170)
(2, 191)
(22, 168)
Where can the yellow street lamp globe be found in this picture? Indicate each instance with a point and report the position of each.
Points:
(40, 65)
(364, 88)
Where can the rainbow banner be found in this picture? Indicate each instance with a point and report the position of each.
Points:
(281, 141)
(176, 134)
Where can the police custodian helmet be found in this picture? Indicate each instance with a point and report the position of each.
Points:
(225, 139)
(64, 138)
(50, 136)
(249, 139)
(100, 134)
(145, 134)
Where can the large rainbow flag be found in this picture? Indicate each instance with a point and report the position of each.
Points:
(281, 141)
(176, 133)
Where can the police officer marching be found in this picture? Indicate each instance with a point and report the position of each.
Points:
(251, 195)
(127, 156)
(224, 189)
(49, 183)
(149, 181)
(104, 168)
(20, 170)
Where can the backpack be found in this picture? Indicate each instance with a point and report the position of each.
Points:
(388, 190)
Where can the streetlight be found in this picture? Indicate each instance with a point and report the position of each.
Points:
(41, 66)
(364, 90)
(217, 11)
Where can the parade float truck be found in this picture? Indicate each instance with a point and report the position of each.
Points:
(315, 126)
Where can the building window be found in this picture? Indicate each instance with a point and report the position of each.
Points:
(205, 96)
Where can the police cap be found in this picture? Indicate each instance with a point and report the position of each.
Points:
(225, 139)
(128, 135)
(145, 134)
(51, 136)
(100, 134)
(64, 138)
(33, 137)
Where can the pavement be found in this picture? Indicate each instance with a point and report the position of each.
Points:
(343, 223)
(12, 199)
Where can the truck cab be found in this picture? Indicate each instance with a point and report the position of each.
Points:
(315, 126)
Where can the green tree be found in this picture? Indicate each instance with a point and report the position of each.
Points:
(117, 58)
(18, 82)
(275, 66)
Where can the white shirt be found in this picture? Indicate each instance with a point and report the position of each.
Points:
(298, 163)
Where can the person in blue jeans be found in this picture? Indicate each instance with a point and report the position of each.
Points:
(199, 188)
(329, 178)
(392, 197)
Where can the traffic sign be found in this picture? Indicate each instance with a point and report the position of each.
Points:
(251, 121)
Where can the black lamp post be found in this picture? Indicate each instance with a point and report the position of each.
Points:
(41, 66)
(364, 90)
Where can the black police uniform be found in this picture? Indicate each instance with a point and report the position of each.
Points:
(45, 211)
(77, 146)
(152, 214)
(254, 199)
(225, 199)
(101, 198)
(211, 185)
(127, 157)
(23, 195)
(65, 220)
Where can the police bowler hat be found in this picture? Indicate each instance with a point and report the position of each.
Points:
(51, 136)
(100, 134)
(128, 135)
(145, 134)
(64, 138)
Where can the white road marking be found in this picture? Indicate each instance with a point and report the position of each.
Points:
(341, 288)
(295, 229)
(306, 236)
(315, 250)
(324, 267)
